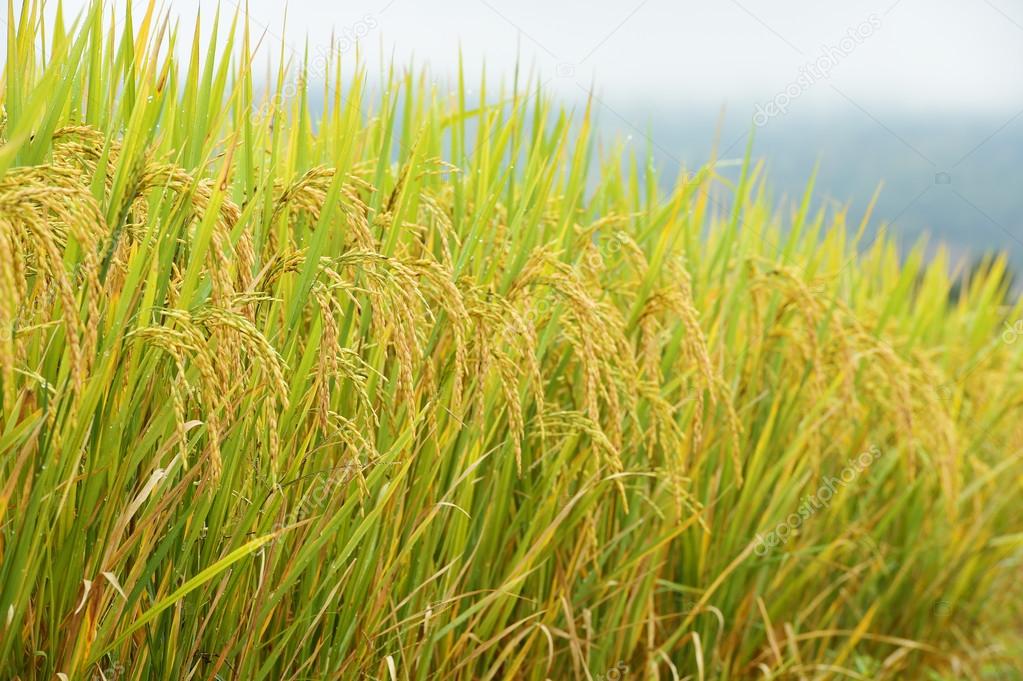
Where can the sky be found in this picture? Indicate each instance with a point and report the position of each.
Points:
(907, 54)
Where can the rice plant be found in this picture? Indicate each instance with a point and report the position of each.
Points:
(396, 389)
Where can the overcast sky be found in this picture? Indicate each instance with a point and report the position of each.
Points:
(913, 54)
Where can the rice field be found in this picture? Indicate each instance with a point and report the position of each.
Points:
(431, 385)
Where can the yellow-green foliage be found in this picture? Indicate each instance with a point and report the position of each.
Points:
(402, 393)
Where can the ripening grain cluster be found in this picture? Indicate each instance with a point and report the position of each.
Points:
(419, 385)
